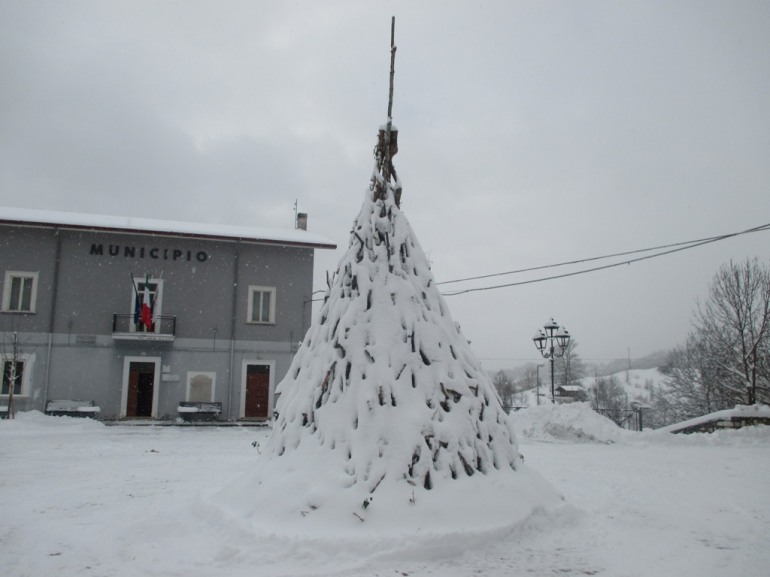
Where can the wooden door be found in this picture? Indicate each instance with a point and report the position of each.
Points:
(257, 405)
(141, 389)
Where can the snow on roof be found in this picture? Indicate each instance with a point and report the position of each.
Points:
(727, 414)
(111, 223)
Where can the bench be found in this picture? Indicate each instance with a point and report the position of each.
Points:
(191, 411)
(67, 408)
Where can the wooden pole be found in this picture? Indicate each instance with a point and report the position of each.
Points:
(388, 159)
(392, 66)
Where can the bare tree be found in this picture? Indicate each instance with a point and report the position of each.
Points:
(692, 389)
(608, 397)
(569, 368)
(504, 387)
(726, 358)
(733, 327)
(527, 380)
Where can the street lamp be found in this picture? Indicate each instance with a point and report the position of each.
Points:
(544, 339)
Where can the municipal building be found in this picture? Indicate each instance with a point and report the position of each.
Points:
(146, 319)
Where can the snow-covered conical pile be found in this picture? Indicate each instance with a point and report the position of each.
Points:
(385, 415)
(385, 367)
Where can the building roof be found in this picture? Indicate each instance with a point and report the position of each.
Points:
(570, 388)
(107, 223)
(740, 411)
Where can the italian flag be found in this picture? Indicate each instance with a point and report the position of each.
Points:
(146, 311)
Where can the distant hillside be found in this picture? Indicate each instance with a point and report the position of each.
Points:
(638, 383)
(654, 360)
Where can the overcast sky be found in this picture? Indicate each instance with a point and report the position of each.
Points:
(530, 133)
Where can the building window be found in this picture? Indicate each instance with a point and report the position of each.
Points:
(261, 305)
(22, 366)
(20, 292)
(146, 305)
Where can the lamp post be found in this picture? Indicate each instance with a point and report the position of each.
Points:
(544, 341)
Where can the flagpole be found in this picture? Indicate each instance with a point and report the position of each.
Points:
(133, 284)
(137, 309)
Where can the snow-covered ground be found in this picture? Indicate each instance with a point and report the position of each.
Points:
(80, 498)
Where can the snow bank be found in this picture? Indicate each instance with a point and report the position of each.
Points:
(34, 421)
(578, 423)
(573, 422)
(745, 436)
(758, 435)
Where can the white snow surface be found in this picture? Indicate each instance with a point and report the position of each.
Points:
(756, 411)
(573, 422)
(81, 498)
(387, 424)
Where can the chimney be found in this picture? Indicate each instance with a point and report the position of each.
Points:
(301, 221)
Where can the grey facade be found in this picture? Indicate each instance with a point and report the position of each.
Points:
(228, 308)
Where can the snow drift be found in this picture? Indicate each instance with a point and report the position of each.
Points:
(573, 422)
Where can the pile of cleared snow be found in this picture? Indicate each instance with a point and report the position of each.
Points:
(574, 422)
(33, 421)
(758, 435)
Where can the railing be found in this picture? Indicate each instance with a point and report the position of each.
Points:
(123, 328)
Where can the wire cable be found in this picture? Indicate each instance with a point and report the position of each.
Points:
(695, 242)
(674, 247)
(679, 247)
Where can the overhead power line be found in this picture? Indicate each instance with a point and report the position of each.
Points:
(672, 248)
(664, 249)
(696, 242)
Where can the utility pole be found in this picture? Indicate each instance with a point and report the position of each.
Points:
(628, 370)
(538, 383)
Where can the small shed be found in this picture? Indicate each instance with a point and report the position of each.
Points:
(569, 393)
